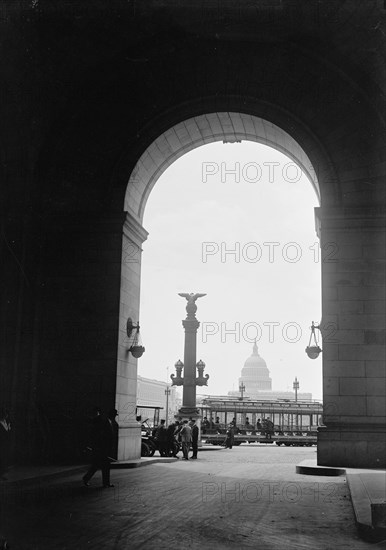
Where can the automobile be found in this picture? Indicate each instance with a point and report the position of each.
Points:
(149, 444)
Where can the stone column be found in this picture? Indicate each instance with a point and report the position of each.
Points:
(129, 445)
(353, 329)
(190, 324)
(189, 388)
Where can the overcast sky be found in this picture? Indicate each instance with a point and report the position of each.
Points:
(198, 212)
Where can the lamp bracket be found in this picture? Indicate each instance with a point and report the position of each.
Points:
(130, 327)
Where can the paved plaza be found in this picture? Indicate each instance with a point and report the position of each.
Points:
(246, 497)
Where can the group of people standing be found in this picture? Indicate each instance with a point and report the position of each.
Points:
(181, 431)
(104, 438)
(266, 427)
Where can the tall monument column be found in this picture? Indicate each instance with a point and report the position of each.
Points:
(189, 392)
(189, 380)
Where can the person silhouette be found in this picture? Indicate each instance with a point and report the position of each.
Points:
(100, 443)
(113, 413)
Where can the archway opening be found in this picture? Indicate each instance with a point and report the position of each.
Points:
(235, 221)
(273, 160)
(226, 127)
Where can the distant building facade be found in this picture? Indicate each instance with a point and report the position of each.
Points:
(151, 393)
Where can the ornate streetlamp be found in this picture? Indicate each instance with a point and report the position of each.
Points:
(242, 390)
(189, 381)
(167, 393)
(201, 380)
(295, 386)
(177, 379)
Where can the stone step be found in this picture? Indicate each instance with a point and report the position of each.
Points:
(309, 467)
(368, 496)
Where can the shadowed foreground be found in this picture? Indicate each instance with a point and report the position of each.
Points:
(247, 497)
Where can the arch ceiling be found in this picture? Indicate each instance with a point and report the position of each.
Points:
(201, 130)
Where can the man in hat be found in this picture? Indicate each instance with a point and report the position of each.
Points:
(186, 438)
(100, 444)
(194, 430)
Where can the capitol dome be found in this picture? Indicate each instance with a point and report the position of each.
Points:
(255, 374)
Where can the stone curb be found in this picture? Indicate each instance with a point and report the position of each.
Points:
(369, 511)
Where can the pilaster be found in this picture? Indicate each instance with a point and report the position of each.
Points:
(129, 445)
(353, 248)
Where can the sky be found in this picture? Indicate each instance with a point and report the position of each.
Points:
(223, 223)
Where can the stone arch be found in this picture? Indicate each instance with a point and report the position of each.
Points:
(207, 128)
(163, 150)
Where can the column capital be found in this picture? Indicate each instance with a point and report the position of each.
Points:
(134, 230)
(190, 325)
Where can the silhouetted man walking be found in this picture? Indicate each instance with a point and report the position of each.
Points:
(113, 413)
(101, 443)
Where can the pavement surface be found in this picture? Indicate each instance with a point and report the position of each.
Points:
(246, 497)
